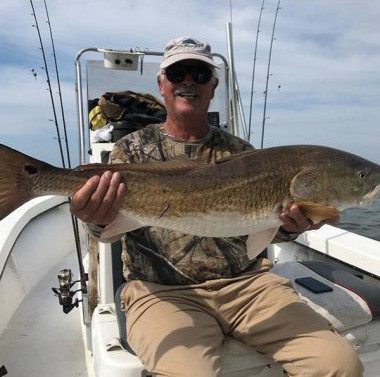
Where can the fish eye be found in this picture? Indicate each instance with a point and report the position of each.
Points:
(361, 175)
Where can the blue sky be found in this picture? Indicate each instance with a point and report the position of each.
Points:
(326, 59)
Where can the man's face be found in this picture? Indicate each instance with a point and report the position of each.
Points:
(189, 94)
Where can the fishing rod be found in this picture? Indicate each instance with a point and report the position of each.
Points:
(74, 220)
(268, 70)
(253, 71)
(48, 82)
(235, 90)
(58, 84)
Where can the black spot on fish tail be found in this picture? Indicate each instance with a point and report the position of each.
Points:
(31, 169)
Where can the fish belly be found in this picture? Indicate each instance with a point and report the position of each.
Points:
(218, 225)
(203, 225)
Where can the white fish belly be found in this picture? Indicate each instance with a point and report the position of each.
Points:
(215, 225)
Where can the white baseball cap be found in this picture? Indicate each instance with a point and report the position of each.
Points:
(183, 48)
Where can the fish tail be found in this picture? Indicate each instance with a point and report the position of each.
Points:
(16, 172)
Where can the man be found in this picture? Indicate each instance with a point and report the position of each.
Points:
(185, 293)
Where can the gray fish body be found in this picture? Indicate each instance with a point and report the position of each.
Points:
(239, 195)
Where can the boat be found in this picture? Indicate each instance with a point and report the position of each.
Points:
(73, 330)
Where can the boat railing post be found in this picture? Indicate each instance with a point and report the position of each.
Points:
(79, 102)
(227, 83)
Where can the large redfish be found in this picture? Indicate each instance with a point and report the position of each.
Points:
(234, 196)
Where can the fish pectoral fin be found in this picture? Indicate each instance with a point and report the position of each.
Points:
(257, 242)
(318, 212)
(123, 223)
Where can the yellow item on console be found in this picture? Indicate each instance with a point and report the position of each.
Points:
(96, 118)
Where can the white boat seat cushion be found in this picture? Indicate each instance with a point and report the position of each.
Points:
(343, 308)
(368, 291)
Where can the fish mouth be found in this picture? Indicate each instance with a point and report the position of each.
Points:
(369, 197)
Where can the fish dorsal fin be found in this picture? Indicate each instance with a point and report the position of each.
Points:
(181, 163)
(222, 160)
(318, 212)
(90, 167)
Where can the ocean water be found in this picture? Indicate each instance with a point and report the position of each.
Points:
(363, 220)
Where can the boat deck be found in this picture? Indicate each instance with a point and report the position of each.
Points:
(40, 340)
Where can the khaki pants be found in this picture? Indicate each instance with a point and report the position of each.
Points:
(179, 330)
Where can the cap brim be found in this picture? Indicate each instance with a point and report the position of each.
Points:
(186, 56)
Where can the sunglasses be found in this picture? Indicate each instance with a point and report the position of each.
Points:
(200, 74)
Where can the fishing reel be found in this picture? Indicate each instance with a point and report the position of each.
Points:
(64, 292)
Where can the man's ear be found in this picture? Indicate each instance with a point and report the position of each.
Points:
(160, 84)
(215, 84)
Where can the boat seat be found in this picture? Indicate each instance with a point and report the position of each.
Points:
(352, 301)
(368, 291)
(121, 321)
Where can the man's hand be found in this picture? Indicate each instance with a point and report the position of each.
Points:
(295, 222)
(99, 200)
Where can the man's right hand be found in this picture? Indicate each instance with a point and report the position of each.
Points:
(99, 200)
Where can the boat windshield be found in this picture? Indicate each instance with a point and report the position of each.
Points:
(120, 71)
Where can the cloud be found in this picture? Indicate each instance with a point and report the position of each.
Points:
(324, 83)
(25, 101)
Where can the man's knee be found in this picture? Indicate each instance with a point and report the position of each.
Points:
(327, 354)
(339, 362)
(190, 368)
(348, 366)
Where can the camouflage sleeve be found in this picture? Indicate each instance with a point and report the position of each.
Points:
(95, 231)
(284, 236)
(120, 153)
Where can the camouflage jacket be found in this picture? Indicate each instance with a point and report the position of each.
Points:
(168, 257)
